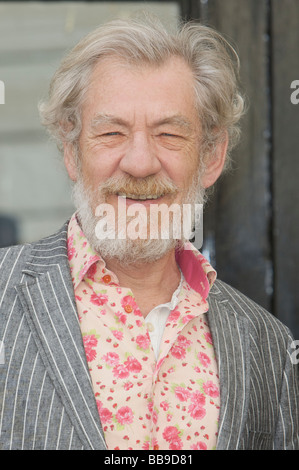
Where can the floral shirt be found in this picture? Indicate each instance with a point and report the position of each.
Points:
(146, 402)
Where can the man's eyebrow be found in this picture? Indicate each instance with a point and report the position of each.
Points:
(175, 120)
(102, 119)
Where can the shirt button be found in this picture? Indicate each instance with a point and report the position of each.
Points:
(150, 327)
(107, 278)
(128, 308)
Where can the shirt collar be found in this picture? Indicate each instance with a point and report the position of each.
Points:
(197, 271)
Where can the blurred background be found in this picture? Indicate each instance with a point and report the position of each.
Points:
(251, 224)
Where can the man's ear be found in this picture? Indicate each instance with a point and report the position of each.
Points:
(70, 160)
(215, 163)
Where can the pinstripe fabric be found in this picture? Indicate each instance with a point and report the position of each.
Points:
(258, 382)
(46, 396)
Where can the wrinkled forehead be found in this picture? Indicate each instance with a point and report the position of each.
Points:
(168, 89)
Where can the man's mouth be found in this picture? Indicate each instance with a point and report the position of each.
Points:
(139, 197)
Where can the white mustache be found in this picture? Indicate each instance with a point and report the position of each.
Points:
(137, 188)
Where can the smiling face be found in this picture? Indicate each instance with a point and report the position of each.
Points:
(140, 135)
(139, 122)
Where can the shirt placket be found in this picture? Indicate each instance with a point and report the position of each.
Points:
(190, 306)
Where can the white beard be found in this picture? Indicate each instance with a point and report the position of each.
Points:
(132, 251)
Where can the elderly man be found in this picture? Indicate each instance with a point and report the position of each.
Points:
(130, 342)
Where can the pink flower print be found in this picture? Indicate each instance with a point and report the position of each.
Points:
(172, 436)
(128, 385)
(86, 265)
(93, 259)
(155, 445)
(125, 415)
(146, 445)
(211, 389)
(120, 371)
(71, 252)
(70, 241)
(198, 398)
(143, 341)
(99, 299)
(128, 303)
(70, 248)
(178, 352)
(137, 312)
(199, 446)
(187, 318)
(170, 433)
(91, 271)
(118, 334)
(121, 317)
(91, 354)
(105, 414)
(182, 393)
(164, 405)
(111, 358)
(90, 342)
(208, 338)
(176, 444)
(133, 365)
(174, 316)
(155, 416)
(99, 405)
(150, 406)
(204, 359)
(183, 341)
(196, 409)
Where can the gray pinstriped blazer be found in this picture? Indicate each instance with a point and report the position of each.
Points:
(46, 396)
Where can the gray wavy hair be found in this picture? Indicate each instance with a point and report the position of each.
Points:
(144, 39)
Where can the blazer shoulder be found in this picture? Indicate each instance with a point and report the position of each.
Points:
(241, 306)
(14, 259)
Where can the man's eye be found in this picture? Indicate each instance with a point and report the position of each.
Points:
(111, 133)
(167, 134)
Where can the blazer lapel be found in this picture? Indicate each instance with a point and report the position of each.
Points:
(231, 341)
(47, 297)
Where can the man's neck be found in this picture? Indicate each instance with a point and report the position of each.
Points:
(151, 283)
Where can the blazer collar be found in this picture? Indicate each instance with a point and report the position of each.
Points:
(47, 297)
(230, 335)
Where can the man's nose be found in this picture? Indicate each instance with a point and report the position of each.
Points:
(140, 159)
